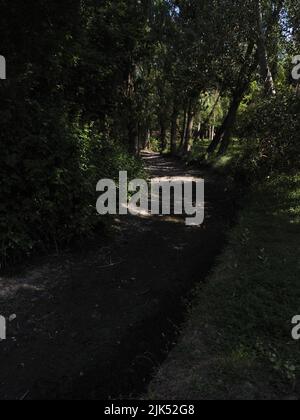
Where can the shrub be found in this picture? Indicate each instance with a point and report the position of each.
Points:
(49, 168)
(273, 125)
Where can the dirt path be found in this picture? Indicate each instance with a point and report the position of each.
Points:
(96, 324)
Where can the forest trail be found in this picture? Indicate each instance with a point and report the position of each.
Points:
(96, 324)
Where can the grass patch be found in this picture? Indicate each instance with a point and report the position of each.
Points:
(237, 343)
(218, 163)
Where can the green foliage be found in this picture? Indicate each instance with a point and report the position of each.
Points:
(49, 180)
(155, 145)
(59, 112)
(273, 124)
(88, 81)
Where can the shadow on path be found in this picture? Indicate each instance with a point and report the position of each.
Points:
(97, 325)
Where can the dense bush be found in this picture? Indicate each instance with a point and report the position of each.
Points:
(272, 126)
(59, 106)
(48, 178)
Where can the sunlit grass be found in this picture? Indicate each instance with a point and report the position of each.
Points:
(220, 163)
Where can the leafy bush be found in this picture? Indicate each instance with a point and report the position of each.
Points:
(155, 145)
(49, 168)
(273, 126)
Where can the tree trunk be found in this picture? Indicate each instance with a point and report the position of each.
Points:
(174, 131)
(189, 129)
(133, 137)
(183, 134)
(132, 125)
(148, 139)
(212, 113)
(263, 54)
(163, 134)
(144, 135)
(223, 134)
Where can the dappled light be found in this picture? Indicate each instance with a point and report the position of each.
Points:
(150, 202)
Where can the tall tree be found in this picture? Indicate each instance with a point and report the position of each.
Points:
(262, 51)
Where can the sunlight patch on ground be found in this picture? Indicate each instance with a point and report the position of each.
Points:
(33, 281)
(10, 287)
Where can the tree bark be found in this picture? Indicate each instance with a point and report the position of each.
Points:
(174, 131)
(189, 129)
(223, 134)
(163, 134)
(132, 125)
(133, 138)
(263, 53)
(144, 135)
(212, 113)
(184, 127)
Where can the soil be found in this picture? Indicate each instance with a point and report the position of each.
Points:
(96, 324)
